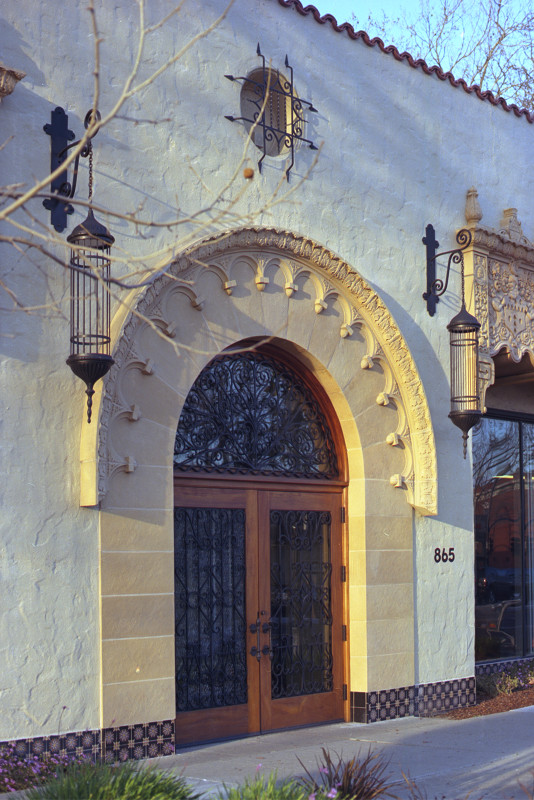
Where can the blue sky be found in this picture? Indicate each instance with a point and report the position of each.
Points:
(343, 9)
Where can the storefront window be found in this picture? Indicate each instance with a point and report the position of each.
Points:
(503, 475)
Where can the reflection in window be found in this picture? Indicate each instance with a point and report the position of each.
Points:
(503, 474)
(528, 522)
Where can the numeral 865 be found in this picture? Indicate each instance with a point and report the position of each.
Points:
(441, 554)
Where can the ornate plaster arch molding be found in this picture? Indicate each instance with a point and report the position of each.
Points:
(500, 287)
(287, 259)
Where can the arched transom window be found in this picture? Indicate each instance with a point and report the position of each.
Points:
(251, 414)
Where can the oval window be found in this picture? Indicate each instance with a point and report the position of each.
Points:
(266, 109)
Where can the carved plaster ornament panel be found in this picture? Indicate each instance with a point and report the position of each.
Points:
(333, 281)
(500, 286)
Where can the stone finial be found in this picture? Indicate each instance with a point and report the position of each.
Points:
(473, 212)
(9, 79)
(511, 227)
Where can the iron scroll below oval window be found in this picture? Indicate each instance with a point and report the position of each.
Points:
(251, 414)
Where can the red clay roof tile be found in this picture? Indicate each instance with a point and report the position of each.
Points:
(418, 63)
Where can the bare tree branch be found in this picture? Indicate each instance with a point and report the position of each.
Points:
(489, 43)
(29, 236)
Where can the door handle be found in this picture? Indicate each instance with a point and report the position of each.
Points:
(254, 627)
(267, 650)
(258, 628)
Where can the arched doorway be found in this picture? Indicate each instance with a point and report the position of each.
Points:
(283, 288)
(259, 481)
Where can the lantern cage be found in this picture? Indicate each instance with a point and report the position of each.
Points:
(465, 397)
(90, 304)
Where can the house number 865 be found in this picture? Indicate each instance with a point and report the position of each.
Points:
(441, 554)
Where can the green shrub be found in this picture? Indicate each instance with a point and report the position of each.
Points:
(486, 685)
(517, 676)
(113, 782)
(506, 681)
(262, 788)
(356, 779)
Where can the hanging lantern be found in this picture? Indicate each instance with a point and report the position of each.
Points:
(465, 397)
(463, 330)
(90, 304)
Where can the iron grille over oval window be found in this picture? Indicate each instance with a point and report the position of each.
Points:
(250, 414)
(264, 89)
(272, 112)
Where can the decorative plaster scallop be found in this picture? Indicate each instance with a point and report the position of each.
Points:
(332, 279)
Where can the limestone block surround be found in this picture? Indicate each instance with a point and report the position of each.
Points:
(259, 283)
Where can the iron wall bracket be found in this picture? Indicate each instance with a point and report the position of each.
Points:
(435, 287)
(60, 136)
(58, 130)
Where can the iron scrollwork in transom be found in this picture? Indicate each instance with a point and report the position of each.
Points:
(247, 413)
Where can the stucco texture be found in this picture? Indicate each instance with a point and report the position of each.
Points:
(398, 149)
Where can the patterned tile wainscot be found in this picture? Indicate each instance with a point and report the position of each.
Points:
(489, 667)
(146, 740)
(412, 701)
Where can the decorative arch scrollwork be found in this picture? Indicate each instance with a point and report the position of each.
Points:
(274, 256)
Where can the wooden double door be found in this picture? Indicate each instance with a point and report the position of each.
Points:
(258, 597)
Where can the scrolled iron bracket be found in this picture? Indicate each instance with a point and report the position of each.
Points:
(60, 135)
(435, 287)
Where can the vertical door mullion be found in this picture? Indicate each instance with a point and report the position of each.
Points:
(264, 596)
(336, 590)
(253, 562)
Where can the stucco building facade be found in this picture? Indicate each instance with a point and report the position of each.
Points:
(315, 282)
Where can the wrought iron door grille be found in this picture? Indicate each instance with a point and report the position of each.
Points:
(272, 111)
(210, 574)
(301, 617)
(249, 414)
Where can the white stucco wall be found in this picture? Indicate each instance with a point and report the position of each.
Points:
(49, 640)
(399, 150)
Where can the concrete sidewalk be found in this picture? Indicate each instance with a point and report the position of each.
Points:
(483, 757)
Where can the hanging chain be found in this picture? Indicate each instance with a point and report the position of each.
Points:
(92, 116)
(463, 278)
(90, 172)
